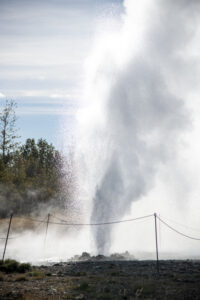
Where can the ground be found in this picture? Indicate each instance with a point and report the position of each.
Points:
(105, 280)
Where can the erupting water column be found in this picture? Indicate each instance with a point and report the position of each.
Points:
(133, 112)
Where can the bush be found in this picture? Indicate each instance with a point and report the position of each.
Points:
(13, 266)
(22, 268)
(9, 266)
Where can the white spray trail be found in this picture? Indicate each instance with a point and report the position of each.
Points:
(138, 79)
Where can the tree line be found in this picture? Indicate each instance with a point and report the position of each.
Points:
(33, 175)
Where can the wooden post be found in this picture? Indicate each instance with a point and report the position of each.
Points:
(48, 218)
(156, 237)
(4, 252)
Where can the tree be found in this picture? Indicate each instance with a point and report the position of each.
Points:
(46, 154)
(8, 131)
(32, 176)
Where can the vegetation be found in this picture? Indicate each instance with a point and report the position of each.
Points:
(8, 131)
(139, 281)
(36, 274)
(13, 266)
(31, 175)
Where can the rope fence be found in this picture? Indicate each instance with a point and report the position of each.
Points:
(177, 231)
(63, 222)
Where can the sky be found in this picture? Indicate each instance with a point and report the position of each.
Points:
(44, 46)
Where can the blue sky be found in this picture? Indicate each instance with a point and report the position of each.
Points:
(44, 45)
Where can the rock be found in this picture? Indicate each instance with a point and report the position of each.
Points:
(84, 256)
(80, 297)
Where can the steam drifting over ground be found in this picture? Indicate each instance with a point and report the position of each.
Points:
(140, 84)
(137, 139)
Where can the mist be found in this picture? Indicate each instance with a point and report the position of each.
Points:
(138, 117)
(136, 143)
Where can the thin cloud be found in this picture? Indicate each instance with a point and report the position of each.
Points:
(45, 94)
(2, 95)
(64, 96)
(52, 110)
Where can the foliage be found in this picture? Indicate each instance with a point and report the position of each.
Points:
(34, 177)
(13, 266)
(31, 175)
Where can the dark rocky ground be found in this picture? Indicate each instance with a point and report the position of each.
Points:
(105, 280)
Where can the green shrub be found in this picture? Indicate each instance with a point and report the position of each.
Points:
(13, 266)
(24, 267)
(9, 266)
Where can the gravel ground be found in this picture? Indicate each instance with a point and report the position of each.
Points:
(105, 280)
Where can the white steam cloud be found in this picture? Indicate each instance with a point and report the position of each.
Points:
(139, 78)
(138, 139)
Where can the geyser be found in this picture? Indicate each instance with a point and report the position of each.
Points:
(138, 78)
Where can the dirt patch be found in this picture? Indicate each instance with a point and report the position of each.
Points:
(105, 280)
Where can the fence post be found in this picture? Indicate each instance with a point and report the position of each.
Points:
(4, 252)
(156, 237)
(48, 218)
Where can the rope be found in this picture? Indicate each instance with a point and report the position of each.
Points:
(64, 222)
(44, 221)
(18, 236)
(175, 230)
(33, 220)
(183, 225)
(99, 224)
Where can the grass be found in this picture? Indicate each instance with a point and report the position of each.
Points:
(149, 289)
(145, 289)
(21, 278)
(84, 286)
(115, 273)
(79, 274)
(36, 274)
(100, 286)
(105, 297)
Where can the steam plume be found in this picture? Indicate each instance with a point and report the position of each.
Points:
(138, 80)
